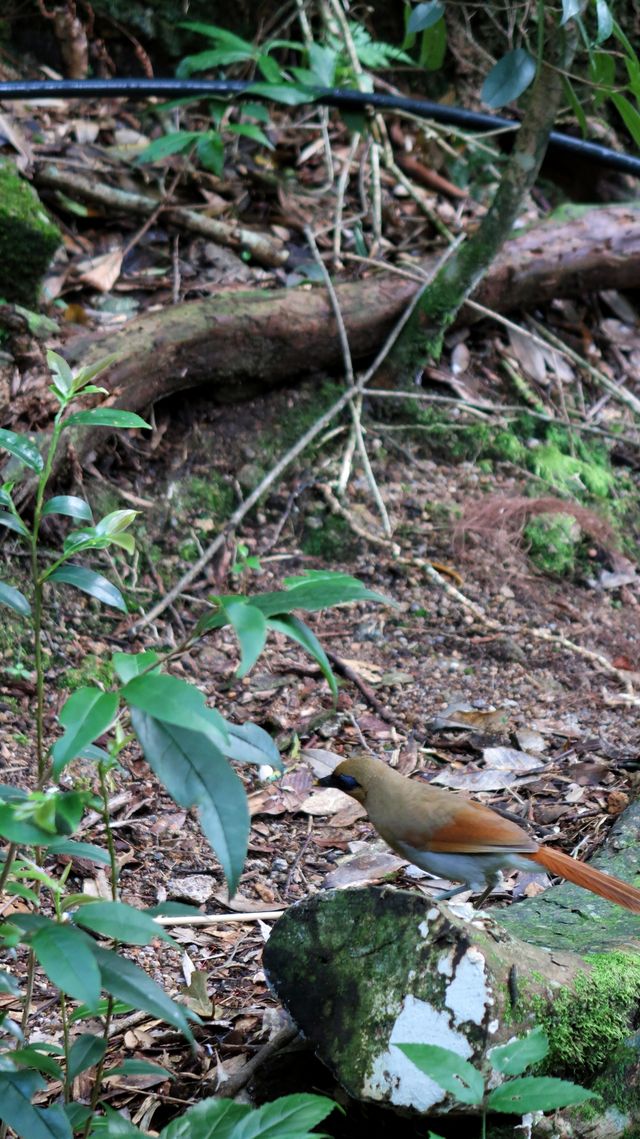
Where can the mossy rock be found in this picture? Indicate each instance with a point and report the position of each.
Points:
(28, 238)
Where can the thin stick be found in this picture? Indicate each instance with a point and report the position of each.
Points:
(354, 404)
(214, 919)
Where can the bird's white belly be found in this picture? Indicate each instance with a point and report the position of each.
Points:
(477, 870)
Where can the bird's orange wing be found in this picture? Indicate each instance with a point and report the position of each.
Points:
(472, 829)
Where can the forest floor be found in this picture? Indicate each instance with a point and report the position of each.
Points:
(442, 687)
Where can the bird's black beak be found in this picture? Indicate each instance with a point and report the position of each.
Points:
(327, 781)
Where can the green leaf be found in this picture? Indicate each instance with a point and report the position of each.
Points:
(210, 152)
(424, 16)
(604, 21)
(195, 773)
(447, 1069)
(250, 627)
(128, 665)
(531, 1093)
(629, 115)
(576, 106)
(23, 449)
(13, 523)
(250, 130)
(70, 505)
(16, 1092)
(287, 93)
(173, 910)
(296, 629)
(172, 143)
(317, 589)
(62, 374)
(106, 417)
(32, 1057)
(79, 850)
(86, 1051)
(113, 1125)
(209, 1119)
(174, 701)
(14, 599)
(139, 1068)
(92, 583)
(67, 957)
(510, 76)
(513, 1058)
(128, 983)
(120, 922)
(290, 1115)
(249, 743)
(570, 9)
(433, 47)
(86, 715)
(323, 61)
(20, 830)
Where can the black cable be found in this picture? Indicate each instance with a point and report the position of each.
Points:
(343, 98)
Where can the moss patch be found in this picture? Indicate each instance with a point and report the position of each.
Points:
(28, 238)
(333, 540)
(588, 1022)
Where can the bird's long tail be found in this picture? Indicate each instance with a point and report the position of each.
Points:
(613, 889)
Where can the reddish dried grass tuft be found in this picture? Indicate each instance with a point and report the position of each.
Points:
(499, 520)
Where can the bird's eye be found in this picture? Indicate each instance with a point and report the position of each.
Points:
(346, 782)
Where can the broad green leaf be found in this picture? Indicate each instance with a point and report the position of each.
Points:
(128, 983)
(510, 76)
(250, 627)
(14, 599)
(210, 152)
(219, 35)
(424, 16)
(106, 417)
(249, 130)
(173, 143)
(32, 1057)
(174, 701)
(85, 1051)
(92, 583)
(433, 46)
(536, 1093)
(8, 984)
(79, 850)
(629, 115)
(604, 21)
(513, 1058)
(287, 93)
(113, 1125)
(116, 522)
(120, 922)
(209, 1119)
(448, 1070)
(23, 449)
(70, 505)
(173, 910)
(62, 374)
(17, 1089)
(5, 497)
(21, 830)
(249, 743)
(16, 889)
(139, 1068)
(316, 590)
(128, 665)
(67, 957)
(296, 629)
(195, 773)
(570, 8)
(291, 1115)
(13, 523)
(85, 716)
(323, 61)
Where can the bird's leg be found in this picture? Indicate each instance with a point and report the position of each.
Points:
(492, 881)
(444, 895)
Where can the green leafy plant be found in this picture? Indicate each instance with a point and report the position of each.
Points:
(516, 1095)
(189, 746)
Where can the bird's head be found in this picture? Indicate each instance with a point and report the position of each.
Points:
(355, 776)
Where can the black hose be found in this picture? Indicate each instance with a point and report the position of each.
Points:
(343, 98)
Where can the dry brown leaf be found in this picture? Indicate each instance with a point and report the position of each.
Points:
(327, 801)
(475, 780)
(101, 272)
(508, 759)
(459, 714)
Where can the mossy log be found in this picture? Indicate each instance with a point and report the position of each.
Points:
(362, 970)
(238, 345)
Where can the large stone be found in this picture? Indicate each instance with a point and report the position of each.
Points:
(28, 238)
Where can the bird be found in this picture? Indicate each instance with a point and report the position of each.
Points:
(457, 838)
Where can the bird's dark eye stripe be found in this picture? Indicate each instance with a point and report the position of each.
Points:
(346, 782)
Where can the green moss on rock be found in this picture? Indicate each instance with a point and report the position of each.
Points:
(28, 238)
